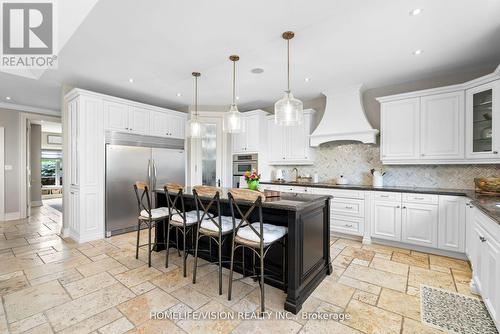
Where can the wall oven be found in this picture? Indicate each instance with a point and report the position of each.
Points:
(241, 164)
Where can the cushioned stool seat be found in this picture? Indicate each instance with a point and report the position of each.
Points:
(178, 220)
(271, 233)
(227, 224)
(155, 213)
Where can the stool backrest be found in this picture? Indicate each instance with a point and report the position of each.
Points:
(207, 198)
(142, 194)
(247, 197)
(178, 200)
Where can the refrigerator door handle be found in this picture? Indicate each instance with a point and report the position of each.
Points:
(155, 175)
(149, 173)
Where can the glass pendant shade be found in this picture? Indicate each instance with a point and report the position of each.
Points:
(288, 111)
(233, 120)
(194, 127)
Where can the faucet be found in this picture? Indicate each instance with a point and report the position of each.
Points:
(296, 174)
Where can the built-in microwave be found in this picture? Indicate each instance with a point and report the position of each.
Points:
(243, 163)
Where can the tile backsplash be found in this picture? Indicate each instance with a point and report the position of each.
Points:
(354, 161)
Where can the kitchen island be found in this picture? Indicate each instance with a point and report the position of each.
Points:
(307, 218)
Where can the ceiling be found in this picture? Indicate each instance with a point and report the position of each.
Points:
(337, 43)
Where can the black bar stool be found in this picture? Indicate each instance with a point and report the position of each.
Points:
(180, 220)
(147, 216)
(257, 236)
(214, 226)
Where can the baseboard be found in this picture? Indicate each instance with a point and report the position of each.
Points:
(81, 239)
(11, 216)
(35, 204)
(424, 249)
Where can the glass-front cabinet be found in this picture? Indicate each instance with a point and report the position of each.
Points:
(483, 121)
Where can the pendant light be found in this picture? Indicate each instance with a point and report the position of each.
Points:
(232, 122)
(194, 125)
(288, 111)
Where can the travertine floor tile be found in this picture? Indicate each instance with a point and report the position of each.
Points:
(449, 262)
(88, 285)
(210, 326)
(138, 309)
(327, 327)
(390, 266)
(429, 277)
(365, 297)
(117, 327)
(416, 327)
(92, 268)
(27, 323)
(138, 275)
(412, 260)
(142, 288)
(190, 297)
(334, 293)
(401, 303)
(355, 283)
(42, 329)
(94, 322)
(264, 326)
(157, 327)
(358, 253)
(30, 301)
(68, 314)
(377, 277)
(371, 319)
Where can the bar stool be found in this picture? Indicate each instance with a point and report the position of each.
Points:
(147, 216)
(180, 220)
(257, 236)
(214, 226)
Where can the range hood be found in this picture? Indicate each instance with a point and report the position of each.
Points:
(344, 118)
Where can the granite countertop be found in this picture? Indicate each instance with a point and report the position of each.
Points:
(487, 204)
(287, 201)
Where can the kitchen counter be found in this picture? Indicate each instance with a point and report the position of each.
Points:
(307, 218)
(487, 204)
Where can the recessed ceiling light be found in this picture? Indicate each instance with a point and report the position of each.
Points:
(131, 80)
(237, 97)
(307, 79)
(257, 70)
(415, 12)
(179, 94)
(417, 52)
(8, 98)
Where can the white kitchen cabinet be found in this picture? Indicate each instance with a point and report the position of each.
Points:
(289, 145)
(117, 116)
(138, 121)
(400, 125)
(451, 230)
(419, 225)
(167, 124)
(469, 229)
(486, 262)
(248, 140)
(483, 121)
(386, 220)
(442, 126)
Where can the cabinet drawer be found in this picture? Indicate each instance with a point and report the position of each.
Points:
(387, 196)
(347, 207)
(340, 193)
(343, 224)
(487, 224)
(420, 198)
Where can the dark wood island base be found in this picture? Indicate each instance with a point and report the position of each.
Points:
(307, 218)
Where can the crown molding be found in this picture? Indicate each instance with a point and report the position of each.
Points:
(30, 109)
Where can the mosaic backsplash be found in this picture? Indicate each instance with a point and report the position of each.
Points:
(354, 161)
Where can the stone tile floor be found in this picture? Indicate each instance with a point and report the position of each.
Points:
(49, 284)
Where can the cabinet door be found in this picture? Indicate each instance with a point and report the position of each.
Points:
(420, 224)
(297, 141)
(400, 130)
(482, 121)
(117, 116)
(386, 222)
(159, 125)
(239, 140)
(491, 264)
(252, 134)
(176, 126)
(451, 231)
(139, 121)
(74, 138)
(276, 142)
(442, 126)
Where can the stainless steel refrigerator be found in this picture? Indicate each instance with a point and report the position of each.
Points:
(131, 158)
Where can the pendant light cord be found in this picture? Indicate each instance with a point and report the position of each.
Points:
(288, 63)
(196, 96)
(234, 82)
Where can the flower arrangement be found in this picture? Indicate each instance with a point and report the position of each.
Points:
(252, 179)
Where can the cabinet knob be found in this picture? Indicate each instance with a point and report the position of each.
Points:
(404, 207)
(422, 154)
(348, 225)
(483, 239)
(398, 207)
(495, 152)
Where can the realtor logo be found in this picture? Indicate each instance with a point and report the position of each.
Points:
(28, 34)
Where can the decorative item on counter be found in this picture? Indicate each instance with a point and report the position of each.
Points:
(488, 186)
(279, 175)
(342, 180)
(252, 179)
(378, 178)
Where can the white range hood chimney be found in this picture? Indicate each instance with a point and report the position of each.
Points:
(344, 118)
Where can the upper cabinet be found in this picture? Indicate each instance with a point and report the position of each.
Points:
(482, 121)
(250, 140)
(448, 125)
(290, 145)
(149, 121)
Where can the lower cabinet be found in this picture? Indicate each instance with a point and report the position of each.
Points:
(419, 224)
(452, 217)
(485, 258)
(386, 220)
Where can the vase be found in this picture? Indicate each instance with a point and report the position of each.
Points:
(253, 185)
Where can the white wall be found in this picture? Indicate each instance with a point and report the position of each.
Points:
(9, 119)
(36, 168)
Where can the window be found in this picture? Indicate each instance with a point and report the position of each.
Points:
(51, 168)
